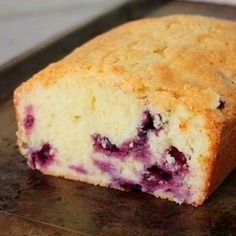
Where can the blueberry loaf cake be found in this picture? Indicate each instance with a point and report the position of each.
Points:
(149, 106)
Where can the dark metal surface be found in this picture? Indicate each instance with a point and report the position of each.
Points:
(34, 204)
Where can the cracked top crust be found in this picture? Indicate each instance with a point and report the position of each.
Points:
(176, 59)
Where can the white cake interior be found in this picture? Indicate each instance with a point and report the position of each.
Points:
(88, 132)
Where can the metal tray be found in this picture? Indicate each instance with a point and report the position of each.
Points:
(35, 204)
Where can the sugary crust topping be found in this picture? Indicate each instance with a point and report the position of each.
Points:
(175, 59)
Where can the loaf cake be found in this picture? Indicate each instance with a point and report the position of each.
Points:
(148, 106)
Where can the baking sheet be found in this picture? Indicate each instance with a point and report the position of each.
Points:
(35, 204)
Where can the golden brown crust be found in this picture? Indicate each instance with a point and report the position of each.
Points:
(187, 58)
(225, 159)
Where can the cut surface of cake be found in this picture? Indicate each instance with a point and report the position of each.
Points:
(149, 106)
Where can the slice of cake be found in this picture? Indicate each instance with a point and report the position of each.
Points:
(149, 106)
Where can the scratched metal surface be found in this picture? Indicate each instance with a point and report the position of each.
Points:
(34, 204)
